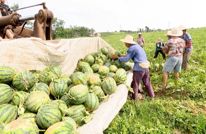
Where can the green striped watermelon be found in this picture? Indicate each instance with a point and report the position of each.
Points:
(35, 100)
(78, 94)
(50, 73)
(120, 76)
(6, 93)
(78, 78)
(58, 88)
(92, 102)
(113, 68)
(89, 59)
(61, 128)
(8, 113)
(61, 105)
(109, 85)
(6, 74)
(95, 67)
(40, 87)
(103, 70)
(93, 79)
(48, 115)
(19, 97)
(98, 91)
(78, 113)
(87, 69)
(24, 81)
(21, 126)
(71, 121)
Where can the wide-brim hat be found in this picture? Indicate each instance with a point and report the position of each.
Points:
(128, 39)
(175, 32)
(182, 28)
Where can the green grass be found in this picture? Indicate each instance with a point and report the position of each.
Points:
(181, 109)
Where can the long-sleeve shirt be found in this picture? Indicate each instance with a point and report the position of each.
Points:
(137, 54)
(188, 40)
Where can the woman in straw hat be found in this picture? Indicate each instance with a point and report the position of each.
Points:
(174, 50)
(140, 69)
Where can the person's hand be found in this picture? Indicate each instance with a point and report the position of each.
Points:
(114, 57)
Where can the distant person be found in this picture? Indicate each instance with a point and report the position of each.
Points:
(6, 30)
(174, 49)
(140, 40)
(159, 45)
(4, 9)
(140, 69)
(188, 48)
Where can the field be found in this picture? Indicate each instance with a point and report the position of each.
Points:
(179, 110)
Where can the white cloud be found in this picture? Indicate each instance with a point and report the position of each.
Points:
(110, 15)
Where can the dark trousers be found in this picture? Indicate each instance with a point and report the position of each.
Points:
(157, 53)
(143, 76)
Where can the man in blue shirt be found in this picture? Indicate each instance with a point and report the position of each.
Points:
(188, 48)
(141, 66)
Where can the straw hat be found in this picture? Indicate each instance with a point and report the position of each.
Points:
(182, 28)
(174, 32)
(128, 39)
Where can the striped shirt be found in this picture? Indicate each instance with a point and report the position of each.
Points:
(175, 47)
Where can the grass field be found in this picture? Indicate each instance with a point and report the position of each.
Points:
(181, 109)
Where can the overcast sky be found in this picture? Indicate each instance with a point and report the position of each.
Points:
(111, 15)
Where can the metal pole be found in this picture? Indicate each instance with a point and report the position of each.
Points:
(30, 6)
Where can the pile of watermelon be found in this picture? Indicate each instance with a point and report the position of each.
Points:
(50, 102)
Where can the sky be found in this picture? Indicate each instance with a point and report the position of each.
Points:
(115, 15)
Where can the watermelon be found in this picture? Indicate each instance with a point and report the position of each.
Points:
(78, 78)
(98, 91)
(6, 93)
(6, 74)
(113, 68)
(94, 79)
(105, 50)
(87, 69)
(48, 115)
(58, 88)
(103, 70)
(61, 128)
(89, 59)
(28, 116)
(24, 81)
(120, 76)
(109, 85)
(95, 67)
(92, 102)
(35, 100)
(19, 97)
(78, 94)
(61, 105)
(50, 73)
(40, 87)
(21, 126)
(82, 64)
(8, 113)
(78, 113)
(71, 121)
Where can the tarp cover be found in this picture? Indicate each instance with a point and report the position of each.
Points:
(36, 54)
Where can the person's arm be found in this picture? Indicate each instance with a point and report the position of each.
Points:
(127, 57)
(143, 40)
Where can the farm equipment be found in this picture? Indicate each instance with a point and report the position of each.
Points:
(13, 25)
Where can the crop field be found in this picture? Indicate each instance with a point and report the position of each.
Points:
(181, 109)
